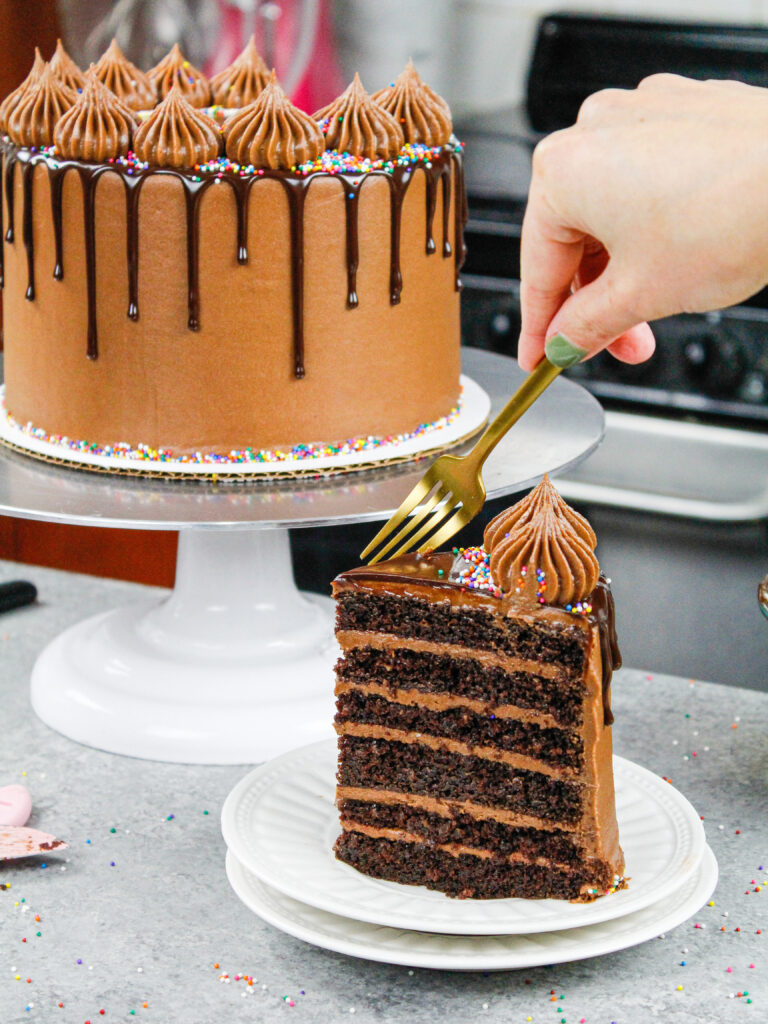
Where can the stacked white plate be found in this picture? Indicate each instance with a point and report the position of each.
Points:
(280, 824)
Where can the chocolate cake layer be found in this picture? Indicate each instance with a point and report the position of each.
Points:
(463, 876)
(552, 745)
(415, 768)
(411, 617)
(427, 672)
(437, 829)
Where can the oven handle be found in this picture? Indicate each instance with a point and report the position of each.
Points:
(652, 464)
(662, 504)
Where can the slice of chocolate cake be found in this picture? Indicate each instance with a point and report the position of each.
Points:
(474, 715)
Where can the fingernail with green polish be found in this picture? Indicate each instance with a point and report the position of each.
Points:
(562, 352)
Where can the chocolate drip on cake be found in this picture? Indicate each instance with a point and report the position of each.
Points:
(461, 214)
(11, 156)
(57, 184)
(195, 183)
(27, 173)
(352, 212)
(445, 177)
(132, 192)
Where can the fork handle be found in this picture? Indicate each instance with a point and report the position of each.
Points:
(534, 384)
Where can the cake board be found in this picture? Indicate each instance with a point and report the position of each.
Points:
(236, 665)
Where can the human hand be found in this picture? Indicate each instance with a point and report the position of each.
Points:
(655, 202)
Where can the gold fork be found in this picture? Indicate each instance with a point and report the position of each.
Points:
(451, 492)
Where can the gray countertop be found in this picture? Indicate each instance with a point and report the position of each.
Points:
(138, 909)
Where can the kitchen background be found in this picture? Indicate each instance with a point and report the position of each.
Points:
(678, 493)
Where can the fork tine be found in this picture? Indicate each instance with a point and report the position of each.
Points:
(454, 524)
(434, 520)
(411, 524)
(419, 492)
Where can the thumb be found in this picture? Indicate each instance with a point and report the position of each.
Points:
(593, 318)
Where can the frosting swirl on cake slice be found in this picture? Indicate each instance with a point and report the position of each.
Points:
(358, 125)
(175, 69)
(272, 133)
(241, 82)
(177, 135)
(422, 115)
(543, 550)
(98, 127)
(126, 81)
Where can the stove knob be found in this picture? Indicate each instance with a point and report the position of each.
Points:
(714, 364)
(503, 332)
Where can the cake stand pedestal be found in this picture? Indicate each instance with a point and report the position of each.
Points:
(236, 665)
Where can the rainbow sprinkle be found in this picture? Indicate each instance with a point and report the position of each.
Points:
(300, 453)
(329, 162)
(476, 575)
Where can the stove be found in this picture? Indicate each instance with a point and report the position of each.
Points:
(712, 366)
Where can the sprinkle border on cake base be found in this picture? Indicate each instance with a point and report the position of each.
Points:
(314, 458)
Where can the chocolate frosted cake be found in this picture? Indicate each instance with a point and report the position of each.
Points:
(183, 279)
(474, 715)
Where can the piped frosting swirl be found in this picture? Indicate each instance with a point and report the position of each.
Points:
(241, 82)
(65, 68)
(124, 79)
(272, 133)
(543, 550)
(11, 100)
(33, 118)
(422, 115)
(359, 126)
(176, 134)
(175, 70)
(98, 127)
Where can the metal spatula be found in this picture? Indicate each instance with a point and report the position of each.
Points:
(451, 492)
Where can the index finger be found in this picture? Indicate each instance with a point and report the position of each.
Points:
(550, 255)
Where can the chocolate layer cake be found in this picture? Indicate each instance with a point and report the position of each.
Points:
(473, 713)
(197, 279)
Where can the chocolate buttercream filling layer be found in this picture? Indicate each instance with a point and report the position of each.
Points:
(460, 874)
(438, 743)
(460, 828)
(552, 751)
(452, 806)
(195, 182)
(492, 681)
(447, 774)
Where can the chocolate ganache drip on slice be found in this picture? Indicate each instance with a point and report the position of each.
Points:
(422, 115)
(359, 126)
(126, 81)
(272, 133)
(177, 135)
(543, 550)
(32, 120)
(11, 101)
(97, 128)
(175, 69)
(65, 68)
(241, 82)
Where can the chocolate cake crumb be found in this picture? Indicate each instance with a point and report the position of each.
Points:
(485, 833)
(414, 768)
(413, 617)
(465, 876)
(554, 746)
(427, 672)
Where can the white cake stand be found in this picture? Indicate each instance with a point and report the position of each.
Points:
(236, 665)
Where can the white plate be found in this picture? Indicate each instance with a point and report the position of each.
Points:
(475, 406)
(280, 822)
(471, 952)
